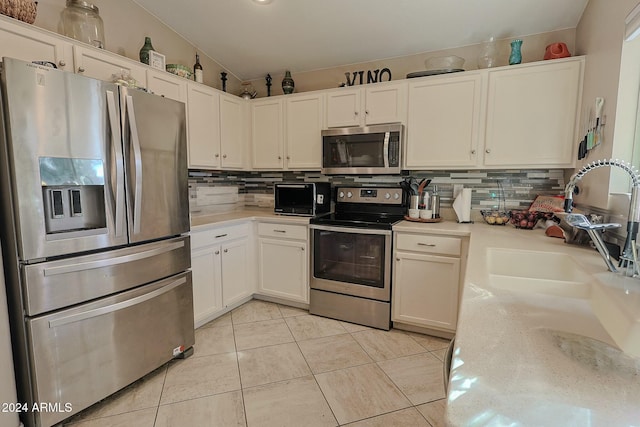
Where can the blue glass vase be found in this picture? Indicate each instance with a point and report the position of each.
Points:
(516, 54)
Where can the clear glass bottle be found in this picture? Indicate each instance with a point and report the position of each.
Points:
(197, 70)
(81, 21)
(488, 55)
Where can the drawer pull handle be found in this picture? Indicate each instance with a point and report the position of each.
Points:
(221, 235)
(431, 245)
(280, 231)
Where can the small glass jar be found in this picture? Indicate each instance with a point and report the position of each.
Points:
(81, 21)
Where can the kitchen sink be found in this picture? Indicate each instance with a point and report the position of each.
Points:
(539, 272)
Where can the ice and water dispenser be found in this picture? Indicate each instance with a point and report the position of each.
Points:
(73, 196)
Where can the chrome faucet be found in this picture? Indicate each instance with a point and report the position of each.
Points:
(629, 258)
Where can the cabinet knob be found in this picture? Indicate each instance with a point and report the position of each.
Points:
(397, 259)
(302, 249)
(488, 150)
(366, 112)
(288, 158)
(217, 155)
(279, 157)
(355, 112)
(81, 69)
(224, 156)
(217, 252)
(62, 63)
(226, 250)
(473, 151)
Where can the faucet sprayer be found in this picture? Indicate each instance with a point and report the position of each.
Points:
(629, 259)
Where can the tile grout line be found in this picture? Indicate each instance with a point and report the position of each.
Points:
(164, 380)
(235, 346)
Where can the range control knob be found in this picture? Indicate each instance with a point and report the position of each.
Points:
(396, 196)
(341, 195)
(387, 196)
(349, 194)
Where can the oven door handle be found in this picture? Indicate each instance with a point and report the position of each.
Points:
(349, 230)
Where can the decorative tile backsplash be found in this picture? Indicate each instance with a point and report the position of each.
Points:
(519, 187)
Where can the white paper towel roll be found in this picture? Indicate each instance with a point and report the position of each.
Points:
(462, 205)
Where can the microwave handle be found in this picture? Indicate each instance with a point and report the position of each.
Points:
(386, 149)
(291, 185)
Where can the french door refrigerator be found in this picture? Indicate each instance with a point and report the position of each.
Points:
(95, 236)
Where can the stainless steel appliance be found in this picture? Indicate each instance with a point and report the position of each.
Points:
(351, 255)
(94, 232)
(307, 199)
(366, 150)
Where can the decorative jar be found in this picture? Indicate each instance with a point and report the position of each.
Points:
(516, 54)
(488, 55)
(81, 21)
(144, 51)
(288, 84)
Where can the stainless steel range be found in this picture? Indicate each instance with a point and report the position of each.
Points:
(351, 255)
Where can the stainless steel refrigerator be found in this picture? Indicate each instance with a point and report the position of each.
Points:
(95, 236)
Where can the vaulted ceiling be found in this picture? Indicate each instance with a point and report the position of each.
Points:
(251, 39)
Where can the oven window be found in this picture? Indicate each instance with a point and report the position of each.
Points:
(349, 257)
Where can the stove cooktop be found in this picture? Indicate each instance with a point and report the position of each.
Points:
(358, 219)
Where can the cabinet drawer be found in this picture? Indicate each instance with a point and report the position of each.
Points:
(203, 238)
(287, 231)
(428, 243)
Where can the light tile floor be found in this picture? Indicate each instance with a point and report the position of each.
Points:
(265, 364)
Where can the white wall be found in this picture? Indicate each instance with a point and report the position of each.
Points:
(600, 36)
(125, 26)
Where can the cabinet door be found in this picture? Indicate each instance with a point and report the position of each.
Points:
(235, 278)
(266, 134)
(25, 42)
(343, 108)
(232, 123)
(304, 123)
(204, 127)
(531, 115)
(425, 290)
(443, 122)
(166, 84)
(283, 269)
(207, 289)
(386, 104)
(102, 65)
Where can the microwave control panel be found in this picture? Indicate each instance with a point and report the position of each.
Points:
(384, 195)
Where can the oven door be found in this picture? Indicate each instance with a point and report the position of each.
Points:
(351, 261)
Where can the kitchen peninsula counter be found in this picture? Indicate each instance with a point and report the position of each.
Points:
(524, 358)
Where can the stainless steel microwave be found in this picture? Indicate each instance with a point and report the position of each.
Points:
(363, 150)
(308, 198)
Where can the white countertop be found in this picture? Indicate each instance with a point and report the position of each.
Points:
(205, 221)
(532, 359)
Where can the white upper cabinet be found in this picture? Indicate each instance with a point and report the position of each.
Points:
(204, 127)
(369, 105)
(532, 111)
(443, 125)
(267, 134)
(304, 123)
(25, 42)
(103, 65)
(233, 124)
(166, 84)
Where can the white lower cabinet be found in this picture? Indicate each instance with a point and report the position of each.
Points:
(283, 261)
(221, 266)
(426, 281)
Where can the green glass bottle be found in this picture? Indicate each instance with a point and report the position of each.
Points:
(144, 52)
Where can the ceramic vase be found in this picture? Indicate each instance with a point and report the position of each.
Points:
(516, 54)
(144, 52)
(287, 83)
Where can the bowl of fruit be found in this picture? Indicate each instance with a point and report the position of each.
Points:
(524, 218)
(495, 217)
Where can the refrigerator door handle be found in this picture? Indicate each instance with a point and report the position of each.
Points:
(82, 266)
(116, 143)
(115, 307)
(137, 156)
